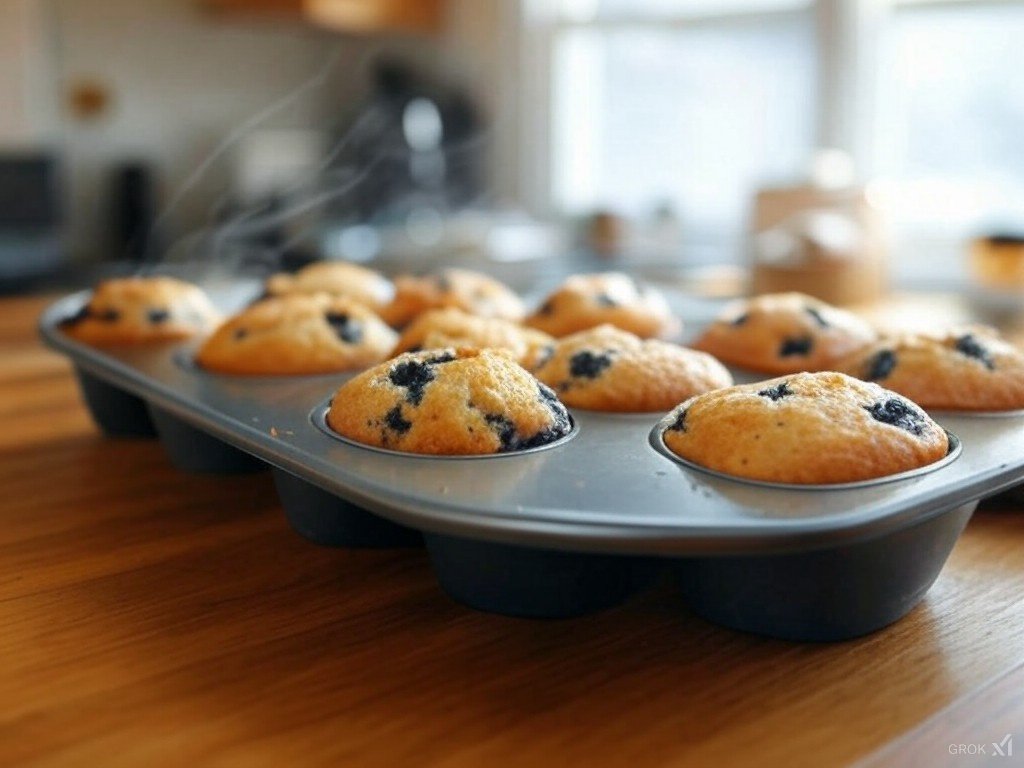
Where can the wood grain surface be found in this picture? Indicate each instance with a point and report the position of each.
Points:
(154, 618)
(985, 724)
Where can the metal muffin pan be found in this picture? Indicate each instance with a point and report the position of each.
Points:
(116, 412)
(328, 520)
(586, 523)
(191, 449)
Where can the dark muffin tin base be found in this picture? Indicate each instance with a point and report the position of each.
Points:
(116, 412)
(535, 583)
(192, 450)
(329, 521)
(828, 594)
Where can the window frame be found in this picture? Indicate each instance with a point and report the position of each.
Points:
(541, 27)
(850, 53)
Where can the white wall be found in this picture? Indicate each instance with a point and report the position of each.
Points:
(181, 81)
(482, 54)
(25, 74)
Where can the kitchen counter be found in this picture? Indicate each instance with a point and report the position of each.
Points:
(154, 618)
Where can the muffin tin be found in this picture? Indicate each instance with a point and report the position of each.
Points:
(576, 526)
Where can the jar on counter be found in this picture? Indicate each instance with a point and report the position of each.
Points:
(997, 260)
(827, 243)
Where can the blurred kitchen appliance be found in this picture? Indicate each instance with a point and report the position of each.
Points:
(416, 145)
(134, 211)
(31, 215)
(271, 163)
(823, 238)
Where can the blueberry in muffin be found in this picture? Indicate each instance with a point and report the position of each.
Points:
(296, 335)
(964, 369)
(608, 369)
(472, 292)
(140, 310)
(613, 298)
(784, 333)
(439, 328)
(451, 402)
(806, 428)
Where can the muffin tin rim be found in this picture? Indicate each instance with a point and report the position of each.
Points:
(185, 358)
(657, 440)
(318, 417)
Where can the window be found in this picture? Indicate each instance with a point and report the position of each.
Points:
(952, 114)
(661, 107)
(697, 103)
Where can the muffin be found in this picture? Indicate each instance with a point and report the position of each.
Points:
(139, 310)
(808, 428)
(784, 333)
(587, 301)
(449, 402)
(338, 278)
(964, 369)
(296, 335)
(472, 292)
(440, 328)
(608, 369)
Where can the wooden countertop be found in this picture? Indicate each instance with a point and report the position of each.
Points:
(154, 618)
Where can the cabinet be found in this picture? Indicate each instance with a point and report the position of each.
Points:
(354, 16)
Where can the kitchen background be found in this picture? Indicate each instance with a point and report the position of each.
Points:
(522, 137)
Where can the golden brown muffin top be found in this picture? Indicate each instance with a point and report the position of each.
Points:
(451, 327)
(608, 369)
(298, 334)
(965, 368)
(338, 278)
(807, 428)
(472, 292)
(587, 301)
(449, 402)
(784, 333)
(140, 310)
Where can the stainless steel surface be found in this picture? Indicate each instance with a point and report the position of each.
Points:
(606, 490)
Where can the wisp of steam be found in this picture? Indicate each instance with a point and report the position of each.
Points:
(217, 251)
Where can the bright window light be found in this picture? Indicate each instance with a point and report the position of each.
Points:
(953, 113)
(696, 117)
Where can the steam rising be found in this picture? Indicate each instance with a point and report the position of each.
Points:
(220, 248)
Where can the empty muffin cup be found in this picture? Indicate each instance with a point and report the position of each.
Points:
(116, 412)
(532, 582)
(193, 450)
(328, 520)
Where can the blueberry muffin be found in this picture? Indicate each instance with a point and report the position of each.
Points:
(449, 402)
(338, 278)
(608, 369)
(296, 335)
(139, 310)
(472, 292)
(587, 301)
(440, 328)
(964, 369)
(784, 333)
(809, 428)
